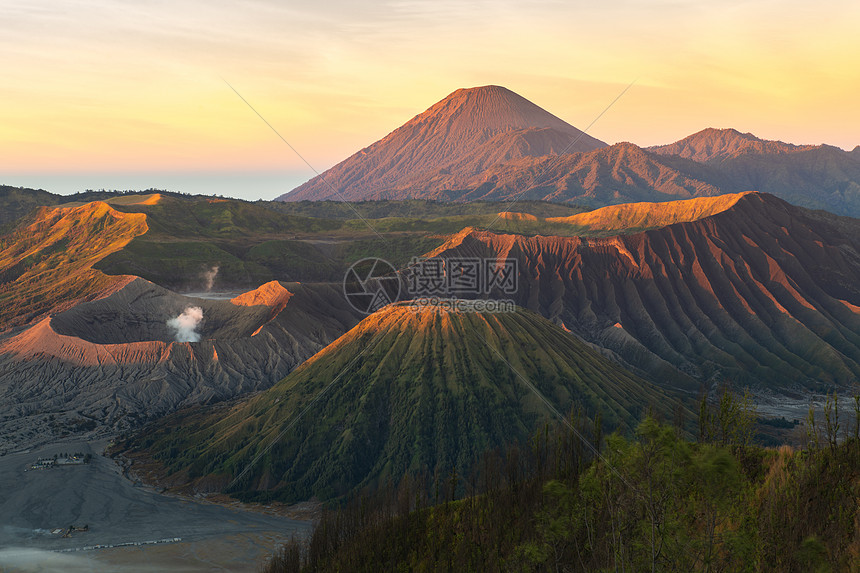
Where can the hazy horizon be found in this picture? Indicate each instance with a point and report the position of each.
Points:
(249, 185)
(246, 185)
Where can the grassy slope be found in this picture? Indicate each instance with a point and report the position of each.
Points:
(252, 243)
(415, 208)
(16, 202)
(421, 391)
(249, 243)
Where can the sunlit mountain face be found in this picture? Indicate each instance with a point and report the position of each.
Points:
(490, 143)
(742, 287)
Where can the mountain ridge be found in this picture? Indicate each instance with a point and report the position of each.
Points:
(763, 293)
(713, 145)
(634, 217)
(47, 262)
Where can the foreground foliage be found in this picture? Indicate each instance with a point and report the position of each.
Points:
(654, 502)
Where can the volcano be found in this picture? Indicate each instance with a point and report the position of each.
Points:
(406, 390)
(443, 147)
(114, 363)
(489, 143)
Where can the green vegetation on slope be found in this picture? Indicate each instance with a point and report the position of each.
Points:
(16, 202)
(177, 218)
(652, 503)
(249, 243)
(419, 208)
(253, 243)
(411, 392)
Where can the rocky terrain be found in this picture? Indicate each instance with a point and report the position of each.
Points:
(46, 262)
(717, 145)
(86, 347)
(760, 293)
(633, 217)
(114, 363)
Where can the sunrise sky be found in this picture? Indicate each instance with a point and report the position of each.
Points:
(126, 94)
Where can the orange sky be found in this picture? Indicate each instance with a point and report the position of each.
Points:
(97, 86)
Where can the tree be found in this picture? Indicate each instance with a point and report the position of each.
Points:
(831, 420)
(812, 440)
(857, 419)
(717, 478)
(728, 422)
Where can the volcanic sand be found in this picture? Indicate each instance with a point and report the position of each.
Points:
(34, 502)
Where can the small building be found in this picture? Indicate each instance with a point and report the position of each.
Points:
(43, 463)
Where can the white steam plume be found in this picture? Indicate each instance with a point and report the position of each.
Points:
(186, 324)
(209, 277)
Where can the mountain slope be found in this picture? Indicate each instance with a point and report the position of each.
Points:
(619, 173)
(821, 177)
(762, 293)
(47, 263)
(412, 390)
(468, 131)
(814, 176)
(818, 177)
(182, 240)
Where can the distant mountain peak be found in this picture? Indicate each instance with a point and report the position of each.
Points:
(489, 143)
(726, 131)
(493, 108)
(439, 149)
(715, 145)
